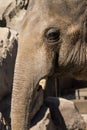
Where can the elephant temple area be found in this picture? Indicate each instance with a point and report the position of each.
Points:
(59, 104)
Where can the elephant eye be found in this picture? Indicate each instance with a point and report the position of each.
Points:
(52, 35)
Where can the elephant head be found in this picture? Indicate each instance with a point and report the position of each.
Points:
(52, 41)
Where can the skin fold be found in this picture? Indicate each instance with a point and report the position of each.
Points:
(52, 42)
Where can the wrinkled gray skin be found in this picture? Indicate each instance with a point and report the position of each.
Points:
(53, 41)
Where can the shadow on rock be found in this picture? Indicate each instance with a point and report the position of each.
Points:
(53, 104)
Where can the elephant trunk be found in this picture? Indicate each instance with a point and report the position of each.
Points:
(21, 96)
(28, 72)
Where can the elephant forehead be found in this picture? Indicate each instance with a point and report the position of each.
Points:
(62, 9)
(56, 6)
(69, 8)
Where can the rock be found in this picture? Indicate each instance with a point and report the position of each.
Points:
(8, 51)
(64, 114)
(72, 117)
(43, 120)
(12, 13)
(3, 5)
(61, 115)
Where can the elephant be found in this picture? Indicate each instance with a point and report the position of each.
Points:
(52, 42)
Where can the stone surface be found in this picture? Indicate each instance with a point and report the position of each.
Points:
(8, 51)
(72, 117)
(61, 115)
(12, 13)
(3, 5)
(81, 105)
(43, 120)
(65, 115)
